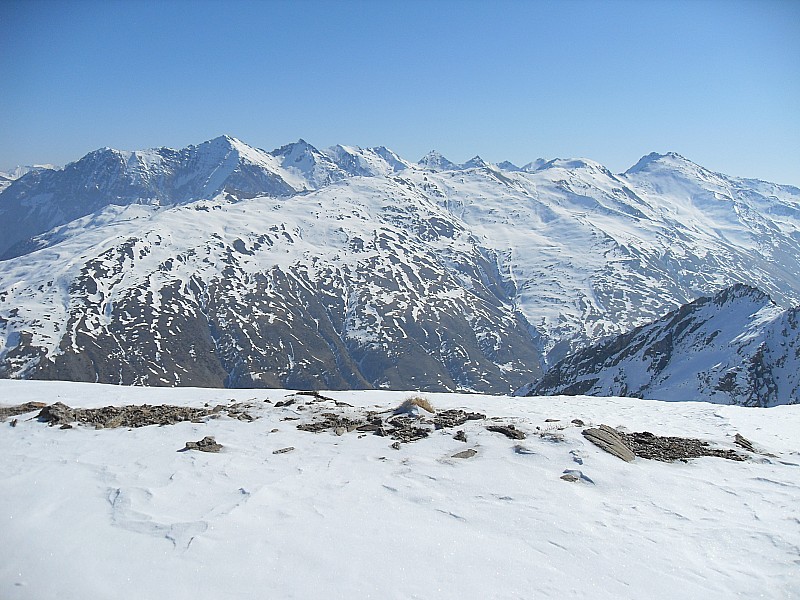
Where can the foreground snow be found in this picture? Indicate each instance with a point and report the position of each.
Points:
(121, 514)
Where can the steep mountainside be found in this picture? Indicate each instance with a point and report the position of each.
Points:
(221, 264)
(735, 348)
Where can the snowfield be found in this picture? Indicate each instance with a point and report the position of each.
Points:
(121, 513)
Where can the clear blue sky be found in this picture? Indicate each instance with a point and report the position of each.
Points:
(716, 81)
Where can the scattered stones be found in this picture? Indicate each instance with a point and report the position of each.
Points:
(396, 445)
(207, 444)
(66, 426)
(551, 436)
(409, 434)
(371, 427)
(570, 477)
(283, 450)
(743, 442)
(577, 422)
(460, 436)
(468, 453)
(454, 418)
(610, 440)
(510, 431)
(333, 422)
(520, 449)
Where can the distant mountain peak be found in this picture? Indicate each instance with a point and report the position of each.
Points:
(534, 165)
(507, 165)
(476, 162)
(655, 160)
(435, 161)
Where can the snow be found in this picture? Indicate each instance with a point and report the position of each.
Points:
(120, 513)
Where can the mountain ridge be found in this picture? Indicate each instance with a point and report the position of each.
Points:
(397, 275)
(736, 347)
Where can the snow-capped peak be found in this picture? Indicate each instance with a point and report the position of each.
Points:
(507, 165)
(366, 162)
(670, 161)
(435, 161)
(534, 165)
(476, 162)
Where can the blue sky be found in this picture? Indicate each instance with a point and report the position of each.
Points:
(716, 81)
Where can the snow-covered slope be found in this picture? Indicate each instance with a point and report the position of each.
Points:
(350, 286)
(120, 513)
(735, 348)
(488, 274)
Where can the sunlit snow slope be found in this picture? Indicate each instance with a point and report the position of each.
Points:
(120, 513)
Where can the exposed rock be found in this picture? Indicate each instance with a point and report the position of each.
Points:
(454, 418)
(509, 431)
(468, 453)
(647, 445)
(610, 440)
(577, 422)
(20, 409)
(409, 434)
(284, 403)
(57, 414)
(668, 449)
(743, 442)
(132, 416)
(552, 420)
(14, 422)
(574, 475)
(207, 444)
(283, 450)
(316, 395)
(396, 445)
(331, 421)
(460, 436)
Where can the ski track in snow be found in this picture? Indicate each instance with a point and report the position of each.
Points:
(120, 513)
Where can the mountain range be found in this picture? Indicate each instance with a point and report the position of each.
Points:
(224, 265)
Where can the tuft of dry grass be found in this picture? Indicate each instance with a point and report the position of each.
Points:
(416, 401)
